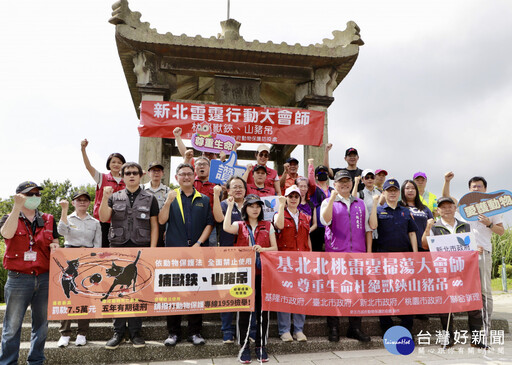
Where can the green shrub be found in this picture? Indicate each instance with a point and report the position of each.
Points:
(508, 270)
(501, 247)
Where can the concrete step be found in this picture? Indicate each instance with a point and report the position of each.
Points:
(156, 329)
(94, 353)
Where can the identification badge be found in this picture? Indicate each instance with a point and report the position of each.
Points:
(30, 256)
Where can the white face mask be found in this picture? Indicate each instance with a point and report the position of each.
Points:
(32, 202)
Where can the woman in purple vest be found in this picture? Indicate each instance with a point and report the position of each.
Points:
(347, 229)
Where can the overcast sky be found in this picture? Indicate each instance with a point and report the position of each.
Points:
(431, 90)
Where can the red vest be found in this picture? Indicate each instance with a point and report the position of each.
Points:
(261, 234)
(205, 188)
(106, 180)
(288, 238)
(15, 248)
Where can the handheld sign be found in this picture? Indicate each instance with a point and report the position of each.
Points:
(270, 207)
(488, 204)
(204, 140)
(452, 242)
(220, 172)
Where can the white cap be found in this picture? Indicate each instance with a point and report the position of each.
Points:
(292, 189)
(366, 172)
(263, 147)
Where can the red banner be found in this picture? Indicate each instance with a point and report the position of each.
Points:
(370, 284)
(132, 282)
(247, 124)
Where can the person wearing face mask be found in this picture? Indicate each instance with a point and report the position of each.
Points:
(322, 191)
(30, 236)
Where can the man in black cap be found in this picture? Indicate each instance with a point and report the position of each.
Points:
(159, 191)
(259, 187)
(351, 157)
(29, 237)
(290, 174)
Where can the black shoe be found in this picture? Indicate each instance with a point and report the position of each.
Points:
(480, 346)
(138, 342)
(359, 335)
(114, 342)
(334, 335)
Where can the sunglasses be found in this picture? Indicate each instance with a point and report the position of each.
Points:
(32, 194)
(130, 173)
(263, 154)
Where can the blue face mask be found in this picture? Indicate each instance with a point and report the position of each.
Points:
(32, 202)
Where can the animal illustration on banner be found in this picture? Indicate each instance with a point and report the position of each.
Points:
(90, 270)
(220, 172)
(489, 204)
(204, 140)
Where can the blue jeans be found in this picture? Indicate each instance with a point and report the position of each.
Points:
(284, 322)
(22, 290)
(227, 326)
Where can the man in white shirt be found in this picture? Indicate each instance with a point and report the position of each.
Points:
(483, 229)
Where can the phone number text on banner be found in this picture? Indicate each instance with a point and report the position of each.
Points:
(245, 123)
(128, 282)
(370, 284)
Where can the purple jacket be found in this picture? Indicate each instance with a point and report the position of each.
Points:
(347, 232)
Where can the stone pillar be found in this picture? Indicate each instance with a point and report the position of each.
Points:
(153, 85)
(317, 95)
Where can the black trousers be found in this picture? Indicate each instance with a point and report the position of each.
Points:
(386, 322)
(134, 326)
(474, 321)
(318, 239)
(195, 324)
(354, 323)
(105, 227)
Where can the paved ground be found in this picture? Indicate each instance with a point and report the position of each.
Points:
(424, 355)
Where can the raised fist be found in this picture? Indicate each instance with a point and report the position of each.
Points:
(177, 132)
(328, 147)
(84, 143)
(448, 176)
(107, 192)
(64, 204)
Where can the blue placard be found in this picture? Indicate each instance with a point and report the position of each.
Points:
(220, 172)
(489, 204)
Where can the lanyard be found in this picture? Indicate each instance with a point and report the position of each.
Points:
(29, 230)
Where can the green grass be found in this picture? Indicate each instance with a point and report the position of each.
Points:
(497, 286)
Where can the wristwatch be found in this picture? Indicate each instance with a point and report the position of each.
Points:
(490, 225)
(200, 243)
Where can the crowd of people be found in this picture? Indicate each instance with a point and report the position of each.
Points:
(364, 211)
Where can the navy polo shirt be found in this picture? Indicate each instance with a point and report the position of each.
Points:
(228, 239)
(186, 223)
(393, 229)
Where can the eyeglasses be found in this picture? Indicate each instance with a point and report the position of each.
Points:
(129, 173)
(32, 194)
(264, 154)
(203, 164)
(236, 188)
(82, 200)
(186, 174)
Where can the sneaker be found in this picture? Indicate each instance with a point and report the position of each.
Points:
(172, 340)
(300, 336)
(196, 340)
(245, 357)
(261, 354)
(80, 340)
(228, 338)
(286, 337)
(138, 342)
(63, 341)
(114, 342)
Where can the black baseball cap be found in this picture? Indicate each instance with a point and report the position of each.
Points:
(342, 174)
(155, 164)
(251, 199)
(26, 186)
(257, 167)
(320, 168)
(290, 159)
(444, 199)
(351, 150)
(81, 193)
